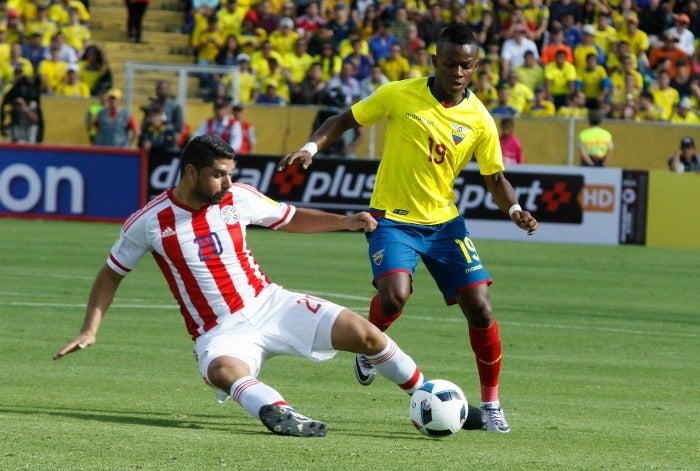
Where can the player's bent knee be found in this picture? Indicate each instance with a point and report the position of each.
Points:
(223, 371)
(353, 333)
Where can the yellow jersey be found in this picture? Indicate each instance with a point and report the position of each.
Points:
(78, 89)
(560, 78)
(425, 147)
(53, 72)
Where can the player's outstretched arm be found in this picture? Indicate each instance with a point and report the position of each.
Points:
(101, 296)
(330, 130)
(308, 221)
(504, 196)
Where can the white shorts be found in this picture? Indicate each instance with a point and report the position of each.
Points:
(284, 323)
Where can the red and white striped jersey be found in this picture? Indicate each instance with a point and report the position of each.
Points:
(202, 253)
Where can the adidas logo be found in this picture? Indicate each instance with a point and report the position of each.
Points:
(167, 232)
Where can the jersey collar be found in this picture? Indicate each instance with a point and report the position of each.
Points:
(431, 81)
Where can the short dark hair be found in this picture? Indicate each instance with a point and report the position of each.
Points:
(457, 33)
(202, 151)
(595, 117)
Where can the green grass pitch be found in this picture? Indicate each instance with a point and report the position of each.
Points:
(601, 364)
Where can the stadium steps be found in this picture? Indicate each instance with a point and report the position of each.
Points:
(163, 43)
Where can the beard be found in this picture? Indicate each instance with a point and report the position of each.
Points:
(214, 198)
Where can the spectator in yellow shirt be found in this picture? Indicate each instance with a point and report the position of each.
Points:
(530, 73)
(520, 94)
(247, 80)
(77, 34)
(95, 70)
(71, 85)
(4, 45)
(207, 46)
(208, 42)
(284, 38)
(14, 26)
(541, 107)
(637, 39)
(298, 62)
(52, 71)
(485, 91)
(647, 109)
(664, 95)
(395, 67)
(684, 113)
(560, 79)
(575, 108)
(260, 60)
(59, 12)
(231, 17)
(16, 60)
(252, 36)
(43, 25)
(605, 33)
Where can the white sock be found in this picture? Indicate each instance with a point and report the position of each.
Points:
(394, 364)
(252, 394)
(491, 405)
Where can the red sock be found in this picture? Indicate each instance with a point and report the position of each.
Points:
(377, 317)
(486, 344)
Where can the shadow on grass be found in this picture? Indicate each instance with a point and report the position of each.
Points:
(190, 421)
(152, 419)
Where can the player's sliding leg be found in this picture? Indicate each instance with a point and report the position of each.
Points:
(364, 371)
(353, 333)
(395, 365)
(264, 402)
(396, 288)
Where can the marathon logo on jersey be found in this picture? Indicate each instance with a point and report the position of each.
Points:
(229, 214)
(459, 132)
(550, 197)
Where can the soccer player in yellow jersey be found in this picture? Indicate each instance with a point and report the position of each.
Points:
(435, 126)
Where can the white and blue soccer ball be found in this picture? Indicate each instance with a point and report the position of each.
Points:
(438, 408)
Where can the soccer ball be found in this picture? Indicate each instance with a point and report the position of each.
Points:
(438, 408)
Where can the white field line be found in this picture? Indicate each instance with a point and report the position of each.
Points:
(361, 309)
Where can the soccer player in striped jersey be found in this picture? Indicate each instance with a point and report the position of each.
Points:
(236, 315)
(435, 126)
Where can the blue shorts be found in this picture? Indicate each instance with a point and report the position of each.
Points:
(446, 250)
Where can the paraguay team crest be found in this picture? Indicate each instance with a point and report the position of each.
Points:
(229, 214)
(459, 132)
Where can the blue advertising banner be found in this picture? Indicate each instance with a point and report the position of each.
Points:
(79, 183)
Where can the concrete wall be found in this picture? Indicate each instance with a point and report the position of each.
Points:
(642, 146)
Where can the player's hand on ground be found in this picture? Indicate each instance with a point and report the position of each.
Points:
(80, 342)
(525, 221)
(302, 156)
(362, 220)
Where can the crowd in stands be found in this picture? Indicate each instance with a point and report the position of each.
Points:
(45, 48)
(631, 59)
(51, 42)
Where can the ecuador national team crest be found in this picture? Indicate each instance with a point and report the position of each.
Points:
(378, 256)
(459, 132)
